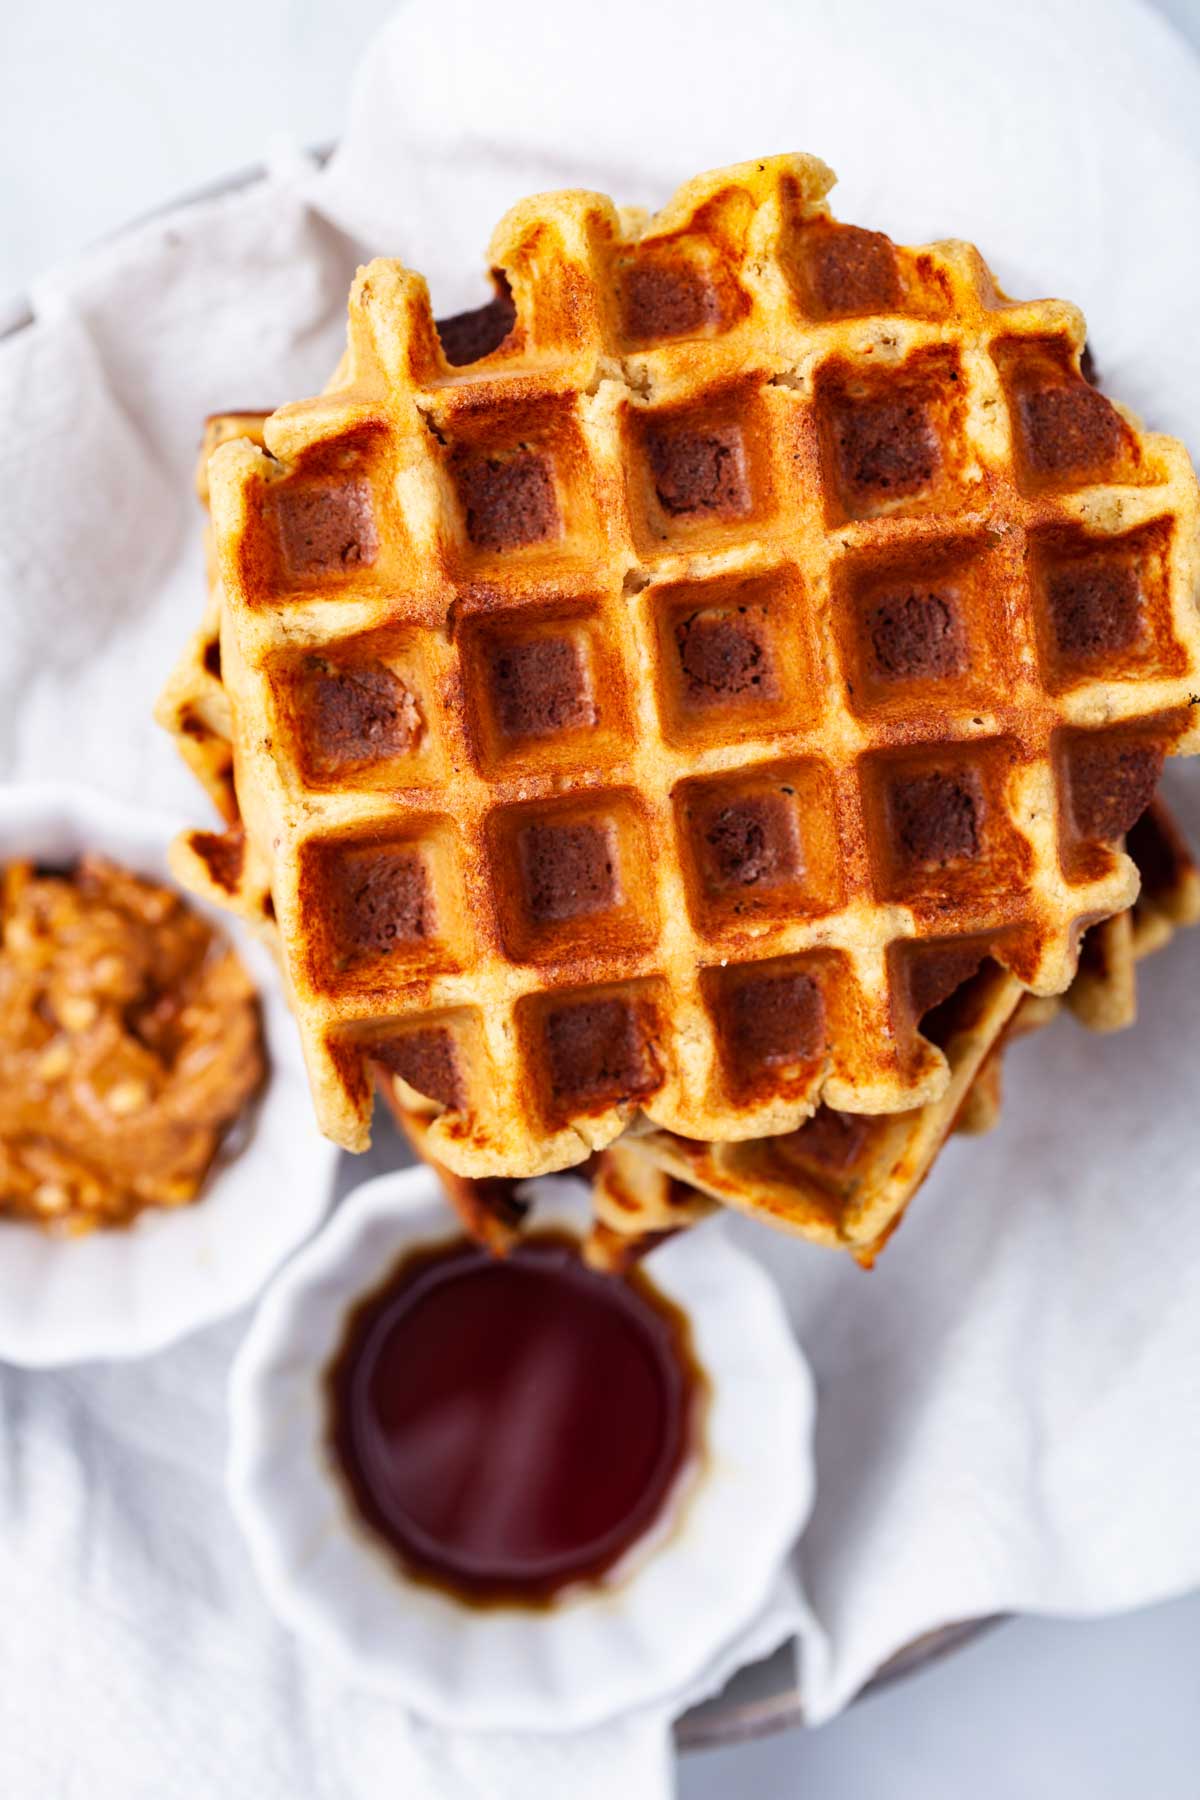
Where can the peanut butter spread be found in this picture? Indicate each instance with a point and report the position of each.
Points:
(129, 1044)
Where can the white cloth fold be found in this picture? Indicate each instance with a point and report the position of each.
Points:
(1007, 1405)
(90, 518)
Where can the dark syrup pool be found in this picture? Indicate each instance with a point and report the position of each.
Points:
(512, 1428)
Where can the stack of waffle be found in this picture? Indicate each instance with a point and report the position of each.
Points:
(685, 716)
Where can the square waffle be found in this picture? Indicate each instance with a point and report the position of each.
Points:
(642, 713)
(843, 1175)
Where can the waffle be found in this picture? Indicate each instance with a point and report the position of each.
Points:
(1103, 994)
(845, 1180)
(194, 708)
(637, 1205)
(643, 717)
(193, 705)
(842, 1179)
(637, 1202)
(489, 1207)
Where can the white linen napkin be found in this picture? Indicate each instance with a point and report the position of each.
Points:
(1007, 1405)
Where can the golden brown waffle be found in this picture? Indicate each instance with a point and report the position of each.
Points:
(842, 1179)
(489, 1207)
(1103, 994)
(194, 708)
(645, 715)
(637, 1203)
(193, 705)
(984, 1098)
(846, 1179)
(636, 1206)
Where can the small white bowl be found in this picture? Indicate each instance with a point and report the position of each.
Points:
(598, 1653)
(127, 1292)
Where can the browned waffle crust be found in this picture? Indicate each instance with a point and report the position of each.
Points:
(661, 711)
(845, 1179)
(193, 705)
(842, 1178)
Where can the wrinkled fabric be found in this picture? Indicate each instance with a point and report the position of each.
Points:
(1007, 1404)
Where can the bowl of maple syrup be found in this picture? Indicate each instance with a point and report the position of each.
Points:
(517, 1493)
(514, 1428)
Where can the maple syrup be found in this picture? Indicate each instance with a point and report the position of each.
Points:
(511, 1428)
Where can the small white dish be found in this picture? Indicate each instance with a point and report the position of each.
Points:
(127, 1292)
(599, 1652)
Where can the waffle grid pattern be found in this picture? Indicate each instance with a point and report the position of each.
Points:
(844, 1180)
(618, 717)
